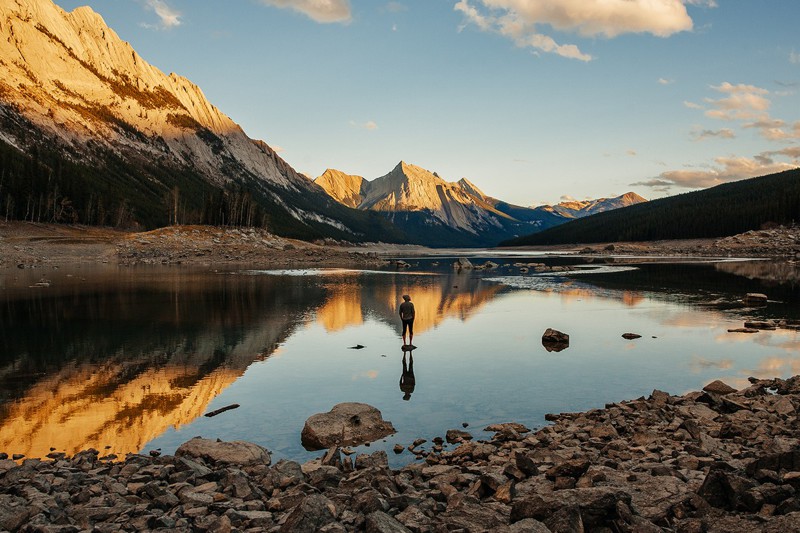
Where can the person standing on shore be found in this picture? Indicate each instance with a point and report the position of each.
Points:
(407, 318)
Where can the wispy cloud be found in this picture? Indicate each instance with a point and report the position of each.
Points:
(522, 20)
(665, 81)
(396, 7)
(794, 57)
(725, 169)
(742, 102)
(168, 16)
(724, 133)
(692, 105)
(369, 125)
(324, 11)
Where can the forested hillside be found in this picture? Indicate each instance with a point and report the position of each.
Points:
(723, 210)
(49, 186)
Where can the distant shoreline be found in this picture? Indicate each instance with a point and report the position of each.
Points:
(26, 244)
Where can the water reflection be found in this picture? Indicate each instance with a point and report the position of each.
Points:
(129, 358)
(407, 379)
(113, 362)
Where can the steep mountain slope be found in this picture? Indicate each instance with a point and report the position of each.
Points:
(429, 209)
(344, 188)
(723, 210)
(107, 132)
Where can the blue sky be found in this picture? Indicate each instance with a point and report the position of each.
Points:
(532, 100)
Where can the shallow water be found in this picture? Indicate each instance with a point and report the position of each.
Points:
(127, 360)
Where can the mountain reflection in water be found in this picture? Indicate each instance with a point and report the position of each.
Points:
(113, 362)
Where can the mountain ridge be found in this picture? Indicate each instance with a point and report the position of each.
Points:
(131, 146)
(412, 196)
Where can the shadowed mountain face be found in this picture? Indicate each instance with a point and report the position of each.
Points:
(92, 133)
(436, 212)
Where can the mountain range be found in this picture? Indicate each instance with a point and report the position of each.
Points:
(91, 133)
(457, 213)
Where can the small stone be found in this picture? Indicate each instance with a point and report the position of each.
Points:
(631, 336)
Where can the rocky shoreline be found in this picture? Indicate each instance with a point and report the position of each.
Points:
(32, 245)
(712, 461)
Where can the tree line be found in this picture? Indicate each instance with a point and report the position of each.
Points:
(47, 186)
(720, 211)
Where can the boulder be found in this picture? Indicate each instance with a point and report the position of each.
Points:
(310, 515)
(719, 387)
(631, 336)
(456, 435)
(554, 340)
(238, 453)
(380, 522)
(347, 424)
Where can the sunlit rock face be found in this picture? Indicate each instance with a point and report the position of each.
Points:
(72, 77)
(584, 208)
(409, 188)
(423, 203)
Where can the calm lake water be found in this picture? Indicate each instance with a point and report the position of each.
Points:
(129, 359)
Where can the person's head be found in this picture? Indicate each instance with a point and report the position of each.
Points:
(406, 297)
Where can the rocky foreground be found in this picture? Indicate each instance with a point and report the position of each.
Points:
(715, 461)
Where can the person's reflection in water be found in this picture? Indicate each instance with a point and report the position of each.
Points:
(407, 380)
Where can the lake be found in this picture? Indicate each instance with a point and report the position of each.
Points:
(129, 359)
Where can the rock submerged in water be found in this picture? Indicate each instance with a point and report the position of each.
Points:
(347, 424)
(554, 340)
(462, 264)
(631, 336)
(755, 298)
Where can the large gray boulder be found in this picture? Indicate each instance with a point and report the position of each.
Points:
(347, 424)
(238, 453)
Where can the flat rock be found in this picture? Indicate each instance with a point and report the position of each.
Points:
(347, 424)
(631, 336)
(232, 453)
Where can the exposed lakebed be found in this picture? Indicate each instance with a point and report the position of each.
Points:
(131, 358)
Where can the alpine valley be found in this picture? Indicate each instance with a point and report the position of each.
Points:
(91, 133)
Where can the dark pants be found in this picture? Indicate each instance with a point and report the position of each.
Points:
(408, 325)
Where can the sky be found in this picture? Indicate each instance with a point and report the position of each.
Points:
(534, 101)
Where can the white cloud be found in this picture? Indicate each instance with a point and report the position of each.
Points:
(522, 20)
(726, 169)
(325, 11)
(665, 81)
(369, 125)
(692, 105)
(724, 133)
(743, 102)
(794, 58)
(774, 129)
(168, 16)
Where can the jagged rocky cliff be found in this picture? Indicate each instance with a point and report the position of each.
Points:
(439, 212)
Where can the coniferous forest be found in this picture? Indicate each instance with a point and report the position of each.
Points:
(50, 187)
(723, 210)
